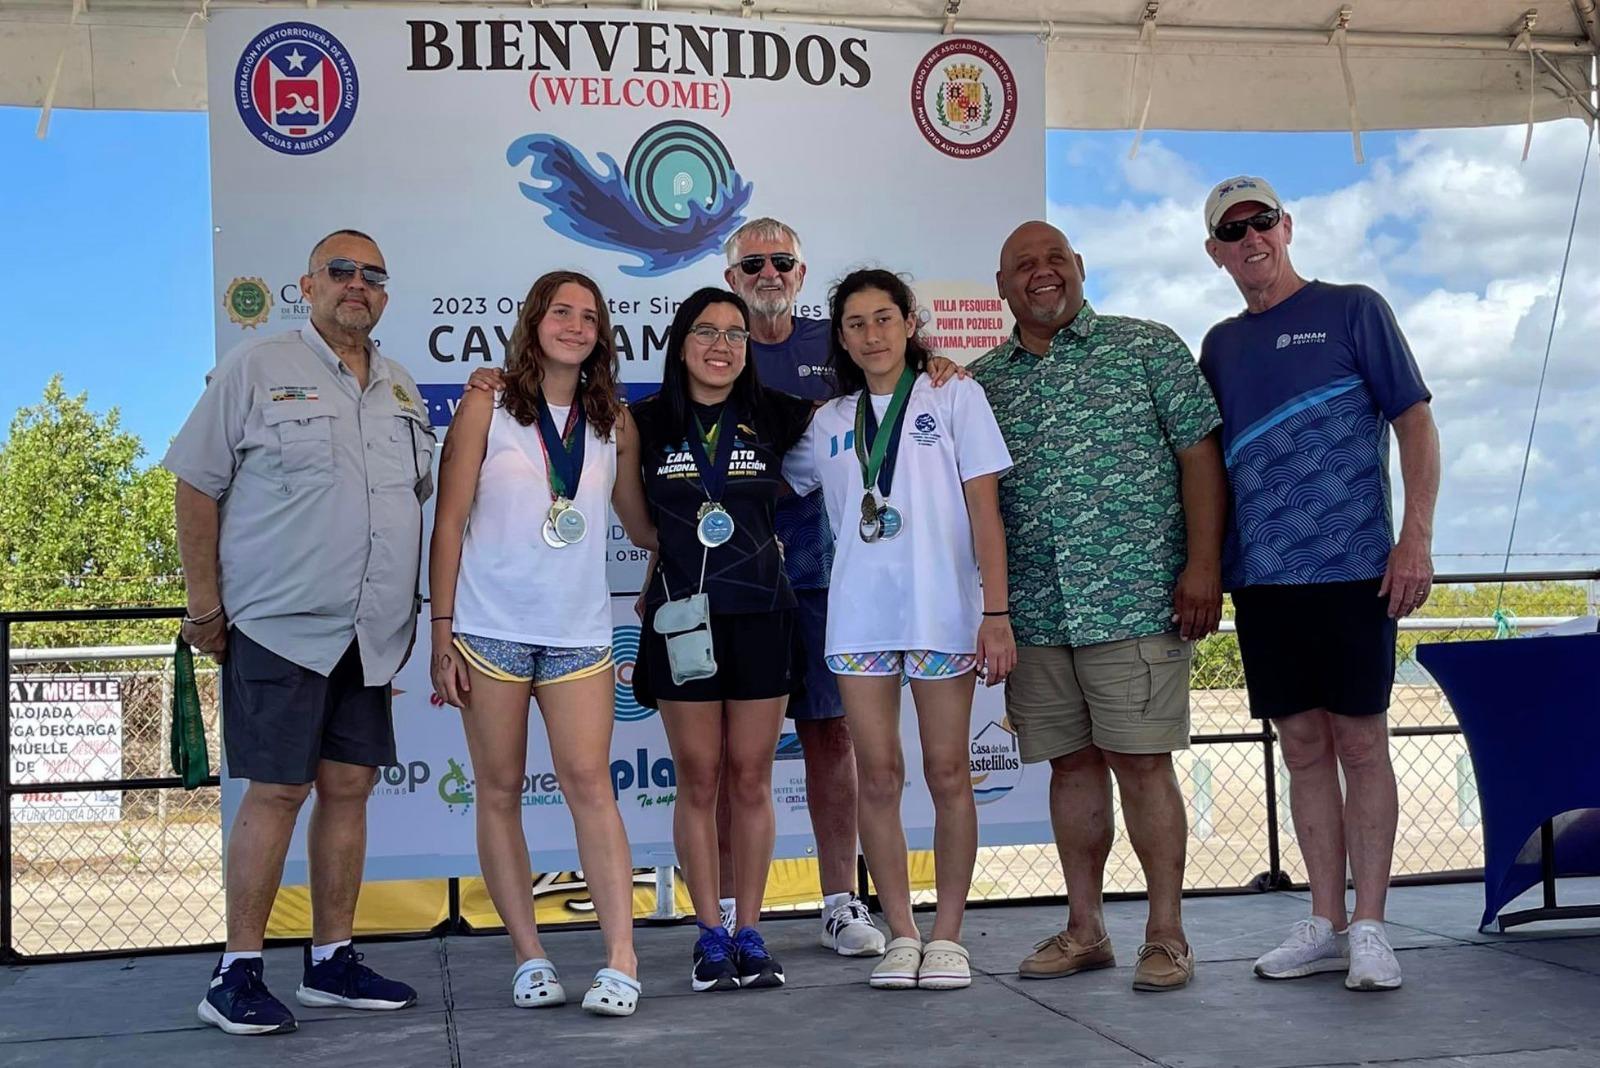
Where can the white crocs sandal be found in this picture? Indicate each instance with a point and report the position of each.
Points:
(536, 985)
(945, 966)
(612, 994)
(898, 969)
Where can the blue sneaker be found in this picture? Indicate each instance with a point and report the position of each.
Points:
(342, 981)
(713, 961)
(756, 967)
(240, 1003)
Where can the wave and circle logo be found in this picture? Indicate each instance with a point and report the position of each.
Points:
(674, 201)
(624, 657)
(296, 88)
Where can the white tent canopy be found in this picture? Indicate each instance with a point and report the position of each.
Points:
(1177, 64)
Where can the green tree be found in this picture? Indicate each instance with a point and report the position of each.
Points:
(83, 524)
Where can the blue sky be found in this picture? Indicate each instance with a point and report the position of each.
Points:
(106, 277)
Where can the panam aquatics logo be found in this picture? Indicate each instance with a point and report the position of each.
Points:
(624, 657)
(996, 762)
(296, 88)
(674, 201)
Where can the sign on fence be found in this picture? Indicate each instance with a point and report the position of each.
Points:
(66, 728)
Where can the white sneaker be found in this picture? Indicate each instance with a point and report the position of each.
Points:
(1312, 947)
(848, 930)
(1372, 962)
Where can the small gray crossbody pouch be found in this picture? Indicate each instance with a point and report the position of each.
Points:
(686, 625)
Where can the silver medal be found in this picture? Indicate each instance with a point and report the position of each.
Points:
(571, 525)
(890, 522)
(714, 526)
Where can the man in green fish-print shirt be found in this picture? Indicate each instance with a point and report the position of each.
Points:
(1114, 519)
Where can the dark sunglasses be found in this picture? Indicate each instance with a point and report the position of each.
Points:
(782, 262)
(342, 270)
(1229, 232)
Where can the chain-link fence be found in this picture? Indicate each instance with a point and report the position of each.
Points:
(105, 852)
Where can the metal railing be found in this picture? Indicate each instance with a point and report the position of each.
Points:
(151, 878)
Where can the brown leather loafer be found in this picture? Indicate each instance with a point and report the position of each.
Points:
(1059, 955)
(1162, 967)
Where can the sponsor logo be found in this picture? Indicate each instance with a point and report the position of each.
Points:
(673, 202)
(624, 657)
(458, 791)
(296, 88)
(646, 773)
(1242, 183)
(248, 302)
(1309, 337)
(996, 762)
(789, 748)
(964, 98)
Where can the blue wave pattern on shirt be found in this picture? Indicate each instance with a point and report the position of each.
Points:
(1311, 494)
(801, 523)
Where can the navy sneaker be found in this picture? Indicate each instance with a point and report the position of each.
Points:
(240, 1003)
(713, 961)
(342, 981)
(755, 965)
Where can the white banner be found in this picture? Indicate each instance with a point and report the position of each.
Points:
(66, 728)
(481, 150)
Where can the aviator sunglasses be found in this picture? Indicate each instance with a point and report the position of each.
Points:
(782, 262)
(1229, 232)
(342, 270)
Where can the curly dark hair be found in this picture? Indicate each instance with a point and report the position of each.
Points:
(597, 377)
(846, 373)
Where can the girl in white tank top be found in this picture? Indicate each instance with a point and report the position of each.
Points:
(521, 610)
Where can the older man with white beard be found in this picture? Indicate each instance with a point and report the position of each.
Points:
(1114, 516)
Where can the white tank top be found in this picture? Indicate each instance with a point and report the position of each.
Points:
(512, 585)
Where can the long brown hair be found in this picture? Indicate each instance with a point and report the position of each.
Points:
(597, 377)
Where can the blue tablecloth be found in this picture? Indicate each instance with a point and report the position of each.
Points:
(1530, 711)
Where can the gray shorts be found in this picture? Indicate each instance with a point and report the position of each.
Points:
(1127, 696)
(279, 720)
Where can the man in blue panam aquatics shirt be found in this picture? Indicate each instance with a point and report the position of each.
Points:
(767, 267)
(1310, 379)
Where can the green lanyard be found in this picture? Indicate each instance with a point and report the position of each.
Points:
(885, 438)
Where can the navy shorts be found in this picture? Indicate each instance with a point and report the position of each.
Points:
(280, 720)
(1318, 645)
(818, 697)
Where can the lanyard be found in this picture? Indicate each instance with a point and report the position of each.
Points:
(877, 451)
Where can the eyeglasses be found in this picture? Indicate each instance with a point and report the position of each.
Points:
(342, 270)
(707, 335)
(782, 262)
(1229, 232)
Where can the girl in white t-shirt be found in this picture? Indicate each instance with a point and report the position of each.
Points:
(521, 609)
(911, 479)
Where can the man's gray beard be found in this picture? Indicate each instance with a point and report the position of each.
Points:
(1049, 313)
(353, 319)
(770, 307)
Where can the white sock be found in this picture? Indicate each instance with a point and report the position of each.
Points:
(229, 958)
(833, 901)
(322, 953)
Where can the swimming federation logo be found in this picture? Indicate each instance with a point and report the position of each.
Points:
(624, 655)
(964, 98)
(296, 88)
(1283, 341)
(674, 201)
(996, 763)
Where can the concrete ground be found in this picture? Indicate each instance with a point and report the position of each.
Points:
(1530, 999)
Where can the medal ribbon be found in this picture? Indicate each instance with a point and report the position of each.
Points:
(713, 475)
(563, 453)
(877, 452)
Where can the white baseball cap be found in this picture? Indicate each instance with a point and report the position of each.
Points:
(1240, 189)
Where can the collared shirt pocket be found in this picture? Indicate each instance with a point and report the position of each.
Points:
(304, 431)
(408, 461)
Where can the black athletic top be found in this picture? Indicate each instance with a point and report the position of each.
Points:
(745, 574)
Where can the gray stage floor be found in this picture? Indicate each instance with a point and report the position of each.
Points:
(1530, 999)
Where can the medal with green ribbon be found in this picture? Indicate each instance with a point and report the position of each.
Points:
(877, 448)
